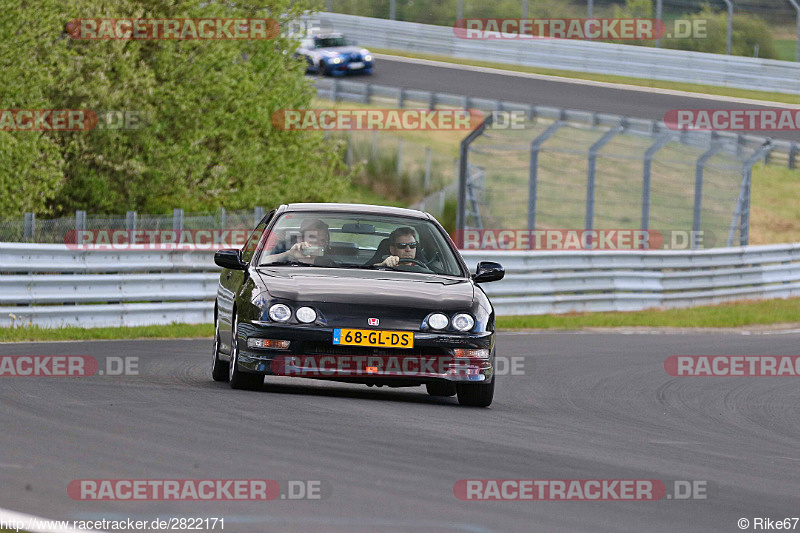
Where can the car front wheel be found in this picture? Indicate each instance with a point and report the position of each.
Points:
(475, 394)
(219, 368)
(237, 378)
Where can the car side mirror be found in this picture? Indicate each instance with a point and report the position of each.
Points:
(488, 271)
(231, 259)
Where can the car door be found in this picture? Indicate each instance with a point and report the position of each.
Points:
(230, 284)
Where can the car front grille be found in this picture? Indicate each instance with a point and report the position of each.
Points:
(326, 348)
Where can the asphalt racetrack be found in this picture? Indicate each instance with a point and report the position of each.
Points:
(587, 406)
(569, 94)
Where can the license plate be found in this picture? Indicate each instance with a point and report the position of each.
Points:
(355, 65)
(373, 337)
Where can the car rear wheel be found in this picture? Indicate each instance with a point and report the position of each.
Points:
(238, 379)
(323, 68)
(475, 394)
(441, 388)
(219, 369)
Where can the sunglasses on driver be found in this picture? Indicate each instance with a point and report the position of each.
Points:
(404, 245)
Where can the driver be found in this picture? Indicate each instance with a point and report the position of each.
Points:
(402, 245)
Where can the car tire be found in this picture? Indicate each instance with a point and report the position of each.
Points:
(238, 379)
(441, 388)
(475, 394)
(219, 368)
(323, 68)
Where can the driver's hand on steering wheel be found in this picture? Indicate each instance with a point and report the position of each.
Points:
(391, 261)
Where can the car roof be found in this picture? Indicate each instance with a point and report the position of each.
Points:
(357, 208)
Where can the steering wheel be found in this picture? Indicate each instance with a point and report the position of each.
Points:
(412, 261)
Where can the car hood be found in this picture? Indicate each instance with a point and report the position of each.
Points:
(368, 288)
(341, 50)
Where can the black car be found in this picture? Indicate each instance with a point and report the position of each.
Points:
(358, 294)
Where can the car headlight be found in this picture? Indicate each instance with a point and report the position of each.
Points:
(463, 322)
(438, 321)
(367, 55)
(306, 315)
(336, 60)
(280, 313)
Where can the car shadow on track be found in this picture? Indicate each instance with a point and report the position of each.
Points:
(405, 395)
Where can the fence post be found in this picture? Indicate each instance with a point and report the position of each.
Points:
(367, 93)
(222, 218)
(592, 173)
(349, 153)
(533, 171)
(463, 156)
(335, 90)
(29, 226)
(130, 220)
(177, 220)
(659, 7)
(698, 187)
(399, 158)
(80, 220)
(742, 212)
(796, 6)
(427, 183)
(460, 9)
(400, 97)
(432, 101)
(258, 214)
(392, 10)
(374, 144)
(524, 9)
(729, 3)
(646, 173)
(792, 154)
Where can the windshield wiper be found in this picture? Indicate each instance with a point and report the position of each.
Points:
(294, 263)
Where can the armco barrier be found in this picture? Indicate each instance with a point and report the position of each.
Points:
(581, 56)
(49, 285)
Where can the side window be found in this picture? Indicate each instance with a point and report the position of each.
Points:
(307, 44)
(252, 241)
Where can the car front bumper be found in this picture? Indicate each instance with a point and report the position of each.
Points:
(312, 354)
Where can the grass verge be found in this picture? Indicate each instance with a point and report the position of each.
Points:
(730, 315)
(657, 84)
(175, 331)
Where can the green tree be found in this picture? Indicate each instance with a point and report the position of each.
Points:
(208, 140)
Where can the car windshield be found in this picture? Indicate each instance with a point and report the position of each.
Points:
(330, 42)
(358, 241)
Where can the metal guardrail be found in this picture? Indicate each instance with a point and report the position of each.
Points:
(132, 288)
(564, 54)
